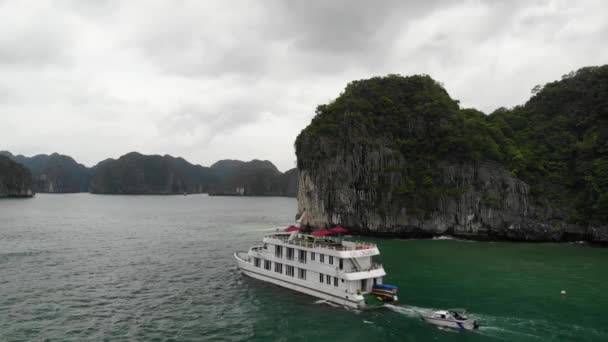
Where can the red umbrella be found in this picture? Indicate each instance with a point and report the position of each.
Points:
(339, 230)
(321, 232)
(292, 228)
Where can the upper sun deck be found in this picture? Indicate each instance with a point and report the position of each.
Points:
(339, 248)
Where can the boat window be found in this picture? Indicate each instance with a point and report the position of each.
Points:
(289, 271)
(265, 246)
(302, 273)
(278, 267)
(322, 257)
(320, 277)
(267, 264)
(328, 278)
(256, 262)
(336, 281)
(278, 251)
(312, 256)
(302, 256)
(341, 263)
(459, 316)
(331, 260)
(290, 253)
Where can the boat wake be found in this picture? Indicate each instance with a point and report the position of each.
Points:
(512, 328)
(323, 301)
(485, 329)
(448, 237)
(515, 328)
(408, 310)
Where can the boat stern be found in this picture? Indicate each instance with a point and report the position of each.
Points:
(385, 292)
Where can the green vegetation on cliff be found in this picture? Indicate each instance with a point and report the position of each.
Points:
(15, 180)
(135, 173)
(54, 173)
(253, 178)
(556, 143)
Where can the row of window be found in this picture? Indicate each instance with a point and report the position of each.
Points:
(278, 252)
(327, 278)
(290, 271)
(278, 268)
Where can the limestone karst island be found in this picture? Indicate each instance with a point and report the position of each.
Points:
(397, 156)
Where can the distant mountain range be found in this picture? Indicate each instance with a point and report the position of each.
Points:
(135, 173)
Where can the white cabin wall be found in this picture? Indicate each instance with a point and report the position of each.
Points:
(365, 262)
(348, 265)
(353, 285)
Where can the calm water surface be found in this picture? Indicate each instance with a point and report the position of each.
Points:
(83, 267)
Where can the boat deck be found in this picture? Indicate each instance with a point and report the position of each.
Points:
(310, 241)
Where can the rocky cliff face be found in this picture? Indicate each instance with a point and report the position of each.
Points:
(54, 173)
(288, 183)
(135, 173)
(487, 202)
(253, 178)
(15, 180)
(396, 156)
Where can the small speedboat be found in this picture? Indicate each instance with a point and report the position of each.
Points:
(455, 319)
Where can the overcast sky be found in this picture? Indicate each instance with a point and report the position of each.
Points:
(240, 79)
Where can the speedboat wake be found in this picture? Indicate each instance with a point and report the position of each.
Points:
(512, 328)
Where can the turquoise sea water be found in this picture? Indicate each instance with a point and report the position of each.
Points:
(83, 267)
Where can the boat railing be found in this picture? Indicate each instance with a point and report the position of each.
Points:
(338, 246)
(373, 266)
(243, 256)
(257, 254)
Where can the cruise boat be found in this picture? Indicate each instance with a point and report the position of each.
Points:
(330, 268)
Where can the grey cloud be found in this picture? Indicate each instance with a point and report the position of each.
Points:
(349, 26)
(33, 48)
(196, 119)
(216, 117)
(33, 38)
(316, 34)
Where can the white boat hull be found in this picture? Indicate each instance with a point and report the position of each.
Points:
(461, 325)
(267, 276)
